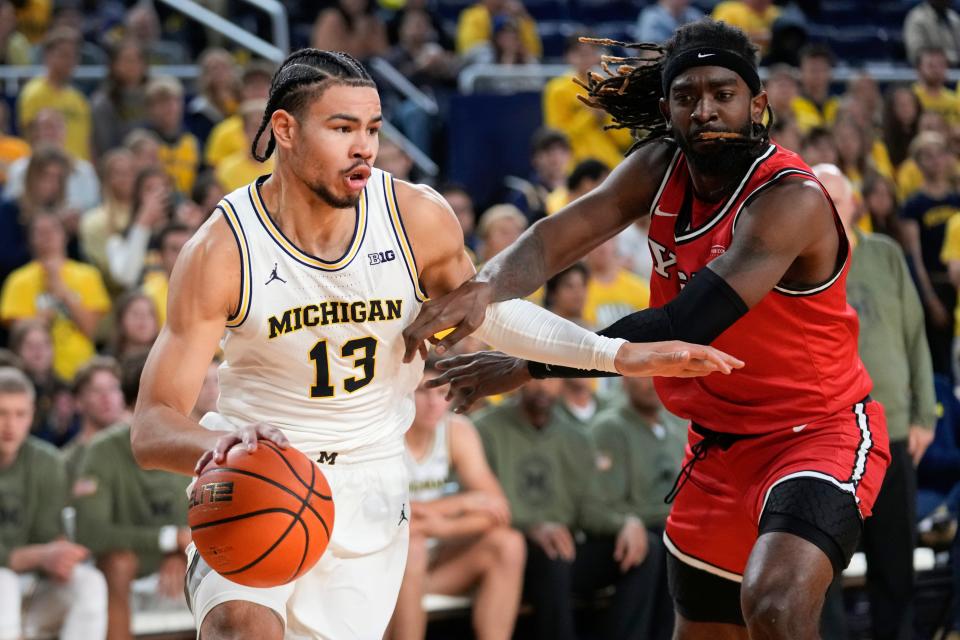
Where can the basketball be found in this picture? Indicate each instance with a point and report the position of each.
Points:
(261, 519)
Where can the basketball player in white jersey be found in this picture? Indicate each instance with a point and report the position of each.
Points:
(309, 276)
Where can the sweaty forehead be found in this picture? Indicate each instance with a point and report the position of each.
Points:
(362, 103)
(707, 77)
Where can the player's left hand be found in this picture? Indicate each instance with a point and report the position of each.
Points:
(247, 436)
(631, 546)
(475, 375)
(170, 575)
(918, 439)
(673, 358)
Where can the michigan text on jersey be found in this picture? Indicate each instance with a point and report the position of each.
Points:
(334, 312)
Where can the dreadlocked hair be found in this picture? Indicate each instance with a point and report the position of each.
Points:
(631, 89)
(303, 76)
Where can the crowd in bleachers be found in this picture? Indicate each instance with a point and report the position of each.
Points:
(551, 497)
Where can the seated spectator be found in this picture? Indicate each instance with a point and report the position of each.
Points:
(207, 193)
(145, 147)
(613, 291)
(782, 89)
(218, 93)
(113, 216)
(462, 542)
(931, 86)
(209, 392)
(819, 147)
(70, 296)
(585, 177)
(228, 137)
(135, 325)
(575, 544)
(786, 133)
(462, 204)
(657, 22)
(143, 25)
(170, 239)
(583, 125)
(855, 153)
(881, 206)
(119, 105)
(901, 115)
(179, 149)
(753, 17)
(133, 521)
(12, 148)
(45, 185)
(393, 159)
(500, 226)
(54, 91)
(550, 156)
(46, 589)
(14, 46)
(153, 208)
(240, 169)
(351, 26)
(506, 45)
(581, 399)
(814, 107)
(909, 176)
(932, 23)
(475, 27)
(48, 130)
(566, 292)
(99, 401)
(53, 403)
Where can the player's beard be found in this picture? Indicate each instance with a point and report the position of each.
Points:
(723, 158)
(335, 201)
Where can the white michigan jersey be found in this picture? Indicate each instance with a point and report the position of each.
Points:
(315, 347)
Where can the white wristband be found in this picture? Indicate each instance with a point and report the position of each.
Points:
(524, 330)
(168, 538)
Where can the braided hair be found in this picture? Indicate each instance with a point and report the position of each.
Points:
(303, 76)
(632, 91)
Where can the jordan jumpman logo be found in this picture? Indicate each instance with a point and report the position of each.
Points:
(403, 513)
(274, 276)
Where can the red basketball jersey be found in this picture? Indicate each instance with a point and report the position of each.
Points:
(799, 346)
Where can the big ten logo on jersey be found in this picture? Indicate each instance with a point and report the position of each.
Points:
(379, 257)
(663, 259)
(212, 492)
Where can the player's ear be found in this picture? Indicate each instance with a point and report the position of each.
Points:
(758, 106)
(665, 109)
(284, 127)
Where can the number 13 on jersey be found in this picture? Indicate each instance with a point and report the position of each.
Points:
(362, 350)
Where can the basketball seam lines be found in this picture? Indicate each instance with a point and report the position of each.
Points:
(306, 532)
(241, 516)
(251, 474)
(277, 451)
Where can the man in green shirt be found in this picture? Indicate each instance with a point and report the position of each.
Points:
(893, 347)
(96, 389)
(45, 589)
(639, 452)
(134, 521)
(575, 543)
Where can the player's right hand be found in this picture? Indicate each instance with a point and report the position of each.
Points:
(247, 436)
(60, 557)
(475, 375)
(673, 358)
(555, 540)
(463, 310)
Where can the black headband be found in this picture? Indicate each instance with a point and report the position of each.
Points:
(709, 56)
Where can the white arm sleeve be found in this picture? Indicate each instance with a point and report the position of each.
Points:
(524, 330)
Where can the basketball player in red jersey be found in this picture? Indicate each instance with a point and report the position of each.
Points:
(785, 456)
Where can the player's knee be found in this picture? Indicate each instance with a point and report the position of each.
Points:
(774, 609)
(88, 589)
(119, 567)
(509, 547)
(236, 619)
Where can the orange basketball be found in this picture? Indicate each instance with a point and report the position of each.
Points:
(261, 519)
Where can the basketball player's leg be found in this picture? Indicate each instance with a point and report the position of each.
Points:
(493, 563)
(120, 570)
(73, 610)
(238, 619)
(707, 605)
(409, 620)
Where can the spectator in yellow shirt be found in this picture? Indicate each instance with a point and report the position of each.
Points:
(931, 87)
(171, 240)
(33, 18)
(68, 295)
(475, 26)
(753, 17)
(53, 91)
(227, 137)
(240, 168)
(218, 93)
(585, 177)
(113, 215)
(909, 177)
(14, 46)
(583, 125)
(814, 107)
(901, 115)
(179, 150)
(612, 291)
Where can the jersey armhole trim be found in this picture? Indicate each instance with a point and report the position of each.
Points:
(403, 240)
(246, 290)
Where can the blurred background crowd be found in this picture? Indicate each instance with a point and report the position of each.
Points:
(123, 124)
